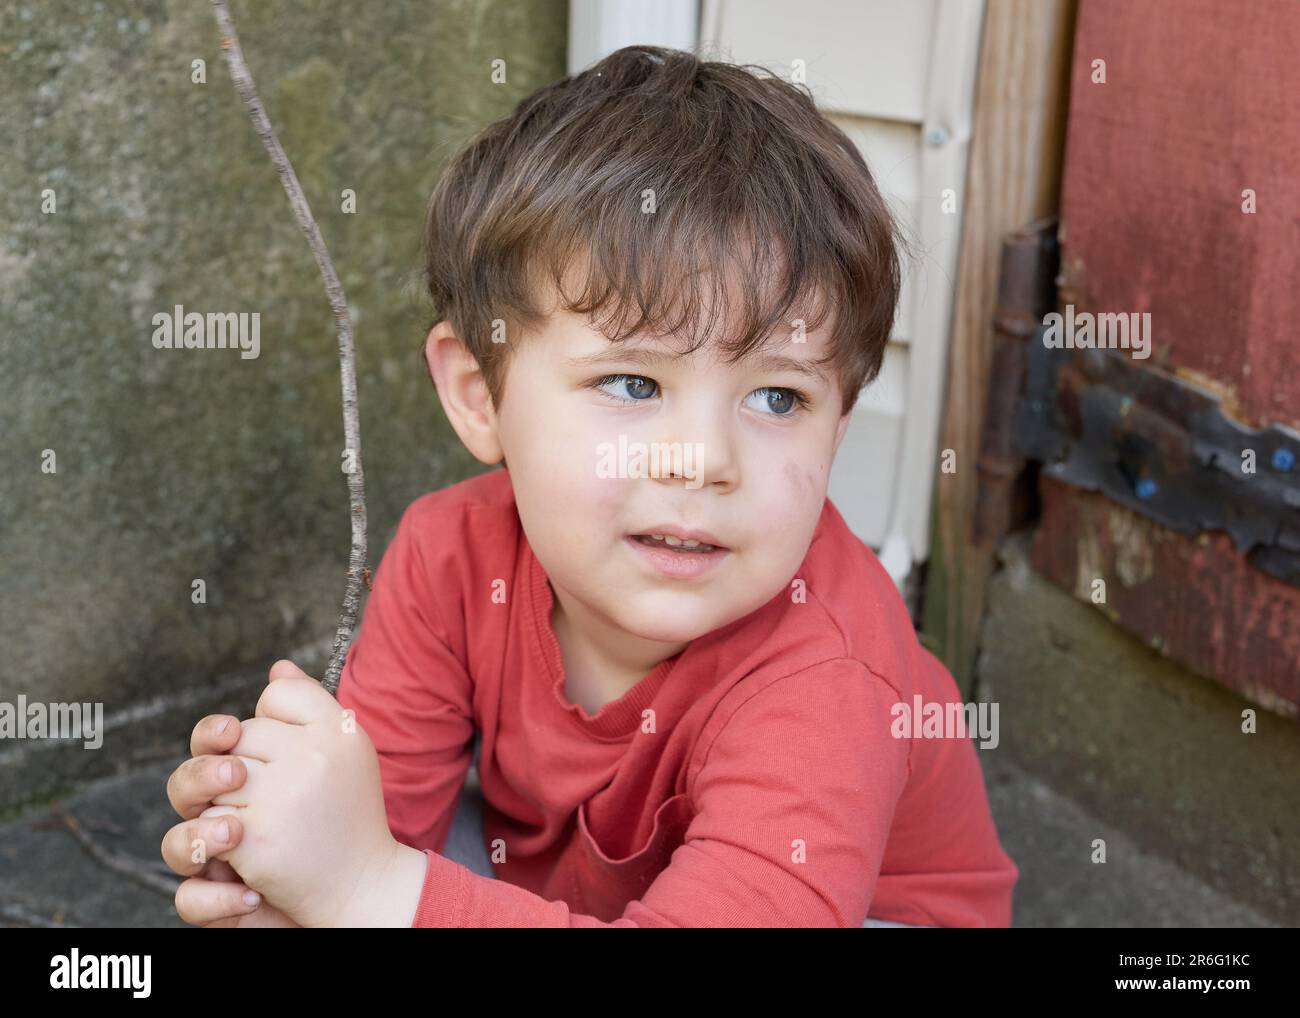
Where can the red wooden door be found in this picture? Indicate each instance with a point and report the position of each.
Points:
(1181, 198)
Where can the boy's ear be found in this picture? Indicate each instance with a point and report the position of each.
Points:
(463, 392)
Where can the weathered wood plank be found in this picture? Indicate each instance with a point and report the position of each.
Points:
(1195, 600)
(1013, 178)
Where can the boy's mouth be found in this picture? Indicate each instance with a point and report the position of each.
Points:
(670, 543)
(677, 557)
(678, 538)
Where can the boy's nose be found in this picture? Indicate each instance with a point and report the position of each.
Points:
(698, 451)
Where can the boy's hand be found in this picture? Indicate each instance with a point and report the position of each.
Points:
(315, 836)
(214, 894)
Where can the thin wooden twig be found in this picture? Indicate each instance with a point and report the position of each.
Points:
(141, 872)
(16, 915)
(357, 571)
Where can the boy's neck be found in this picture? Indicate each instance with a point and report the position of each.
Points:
(601, 662)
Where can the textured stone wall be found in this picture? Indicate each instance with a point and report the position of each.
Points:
(175, 465)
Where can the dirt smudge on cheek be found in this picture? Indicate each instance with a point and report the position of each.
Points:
(804, 482)
(794, 476)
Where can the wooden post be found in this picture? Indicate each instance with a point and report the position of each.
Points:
(1021, 101)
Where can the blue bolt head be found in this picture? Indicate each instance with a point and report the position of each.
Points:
(1283, 458)
(1146, 487)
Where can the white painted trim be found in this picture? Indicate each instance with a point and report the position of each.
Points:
(598, 27)
(897, 559)
(950, 97)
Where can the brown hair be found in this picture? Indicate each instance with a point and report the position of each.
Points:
(739, 163)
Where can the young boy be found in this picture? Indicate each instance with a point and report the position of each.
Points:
(660, 286)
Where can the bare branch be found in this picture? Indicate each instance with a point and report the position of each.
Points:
(141, 872)
(343, 323)
(17, 916)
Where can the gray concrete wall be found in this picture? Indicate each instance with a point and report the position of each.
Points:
(176, 465)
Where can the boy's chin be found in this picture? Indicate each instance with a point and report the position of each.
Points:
(669, 620)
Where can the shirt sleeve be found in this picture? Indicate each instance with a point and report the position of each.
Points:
(793, 805)
(412, 695)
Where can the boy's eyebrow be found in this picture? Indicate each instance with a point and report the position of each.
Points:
(649, 358)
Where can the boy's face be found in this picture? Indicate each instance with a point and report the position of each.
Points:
(685, 443)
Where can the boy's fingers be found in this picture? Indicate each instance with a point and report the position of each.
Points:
(286, 669)
(296, 699)
(243, 795)
(215, 733)
(196, 782)
(265, 739)
(201, 901)
(188, 848)
(221, 871)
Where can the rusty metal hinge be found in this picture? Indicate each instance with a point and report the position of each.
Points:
(1164, 448)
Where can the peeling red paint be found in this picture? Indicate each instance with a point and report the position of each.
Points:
(1201, 604)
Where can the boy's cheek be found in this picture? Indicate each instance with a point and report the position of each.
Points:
(605, 497)
(810, 476)
(556, 476)
(806, 483)
(574, 493)
(787, 518)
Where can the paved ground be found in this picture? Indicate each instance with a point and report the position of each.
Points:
(1051, 841)
(46, 875)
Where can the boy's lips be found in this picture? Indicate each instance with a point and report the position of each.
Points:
(677, 563)
(680, 534)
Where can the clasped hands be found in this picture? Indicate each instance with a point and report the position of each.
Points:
(287, 805)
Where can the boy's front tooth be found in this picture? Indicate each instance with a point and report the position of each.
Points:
(674, 542)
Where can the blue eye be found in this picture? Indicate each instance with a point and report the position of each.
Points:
(638, 388)
(776, 402)
(781, 402)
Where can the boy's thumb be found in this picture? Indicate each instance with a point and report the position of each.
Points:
(286, 669)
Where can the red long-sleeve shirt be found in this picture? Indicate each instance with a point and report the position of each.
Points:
(751, 780)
